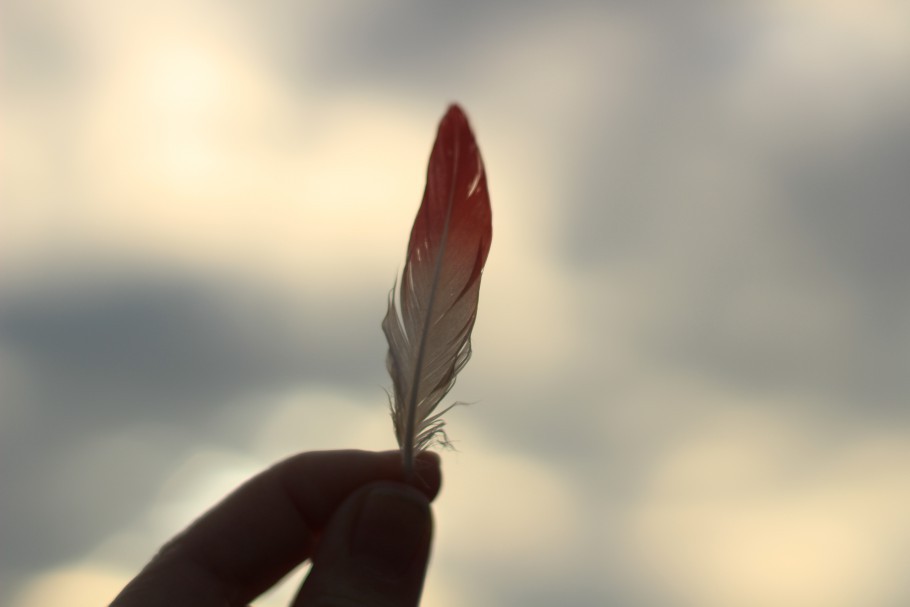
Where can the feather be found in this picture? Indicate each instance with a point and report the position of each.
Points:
(429, 326)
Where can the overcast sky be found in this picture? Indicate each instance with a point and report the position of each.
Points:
(691, 371)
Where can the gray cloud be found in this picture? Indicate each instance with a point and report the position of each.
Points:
(779, 245)
(397, 42)
(173, 337)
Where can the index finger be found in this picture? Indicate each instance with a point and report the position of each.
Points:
(264, 529)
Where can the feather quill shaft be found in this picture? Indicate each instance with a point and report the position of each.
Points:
(428, 326)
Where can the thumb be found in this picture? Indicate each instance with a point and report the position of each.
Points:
(373, 552)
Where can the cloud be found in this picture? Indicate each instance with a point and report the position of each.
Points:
(139, 332)
(751, 508)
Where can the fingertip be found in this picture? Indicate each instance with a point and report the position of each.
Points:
(392, 530)
(374, 551)
(428, 474)
(428, 458)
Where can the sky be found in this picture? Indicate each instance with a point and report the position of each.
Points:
(690, 379)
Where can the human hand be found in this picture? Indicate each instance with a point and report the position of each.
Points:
(367, 532)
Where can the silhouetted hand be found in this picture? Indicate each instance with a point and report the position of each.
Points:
(367, 532)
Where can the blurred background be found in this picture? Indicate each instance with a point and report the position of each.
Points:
(691, 360)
